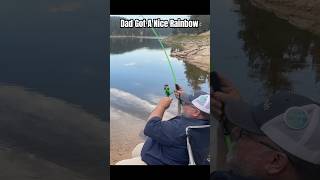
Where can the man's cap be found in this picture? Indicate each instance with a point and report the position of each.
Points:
(290, 120)
(199, 99)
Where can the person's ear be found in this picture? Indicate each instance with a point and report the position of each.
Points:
(277, 162)
(197, 112)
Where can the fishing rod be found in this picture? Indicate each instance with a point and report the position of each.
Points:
(166, 86)
(222, 130)
(227, 134)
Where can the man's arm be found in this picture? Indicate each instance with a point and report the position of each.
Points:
(157, 129)
(162, 106)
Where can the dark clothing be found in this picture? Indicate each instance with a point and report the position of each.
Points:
(228, 175)
(166, 143)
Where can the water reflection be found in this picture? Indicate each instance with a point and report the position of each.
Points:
(119, 45)
(53, 119)
(53, 131)
(263, 54)
(57, 48)
(139, 61)
(275, 48)
(195, 76)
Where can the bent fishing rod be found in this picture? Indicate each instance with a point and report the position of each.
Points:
(166, 86)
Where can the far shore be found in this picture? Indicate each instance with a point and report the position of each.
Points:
(140, 37)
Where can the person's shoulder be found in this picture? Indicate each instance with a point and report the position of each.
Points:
(194, 122)
(155, 118)
(182, 120)
(175, 118)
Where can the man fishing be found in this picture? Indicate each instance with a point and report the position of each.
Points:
(167, 140)
(166, 143)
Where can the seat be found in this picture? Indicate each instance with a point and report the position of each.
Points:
(198, 140)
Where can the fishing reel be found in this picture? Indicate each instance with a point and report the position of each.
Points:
(167, 90)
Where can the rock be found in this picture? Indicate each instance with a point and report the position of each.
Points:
(195, 49)
(304, 14)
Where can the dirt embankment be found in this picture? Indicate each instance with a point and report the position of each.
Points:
(194, 49)
(304, 14)
(128, 116)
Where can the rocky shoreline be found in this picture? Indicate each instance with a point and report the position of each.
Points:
(194, 49)
(304, 14)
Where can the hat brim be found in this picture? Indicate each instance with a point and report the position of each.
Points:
(242, 115)
(188, 98)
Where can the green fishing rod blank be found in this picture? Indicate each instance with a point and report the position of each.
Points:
(227, 140)
(165, 52)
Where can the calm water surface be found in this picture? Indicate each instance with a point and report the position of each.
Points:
(138, 66)
(263, 54)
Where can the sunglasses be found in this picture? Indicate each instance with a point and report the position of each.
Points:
(243, 133)
(184, 103)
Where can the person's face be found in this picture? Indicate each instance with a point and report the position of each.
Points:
(190, 111)
(251, 155)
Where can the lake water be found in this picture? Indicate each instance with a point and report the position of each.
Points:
(139, 66)
(263, 54)
(53, 89)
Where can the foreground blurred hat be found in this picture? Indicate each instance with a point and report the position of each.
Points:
(290, 120)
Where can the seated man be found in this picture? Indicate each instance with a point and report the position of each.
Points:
(166, 143)
(278, 139)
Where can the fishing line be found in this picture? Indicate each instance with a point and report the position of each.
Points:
(167, 89)
(165, 52)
